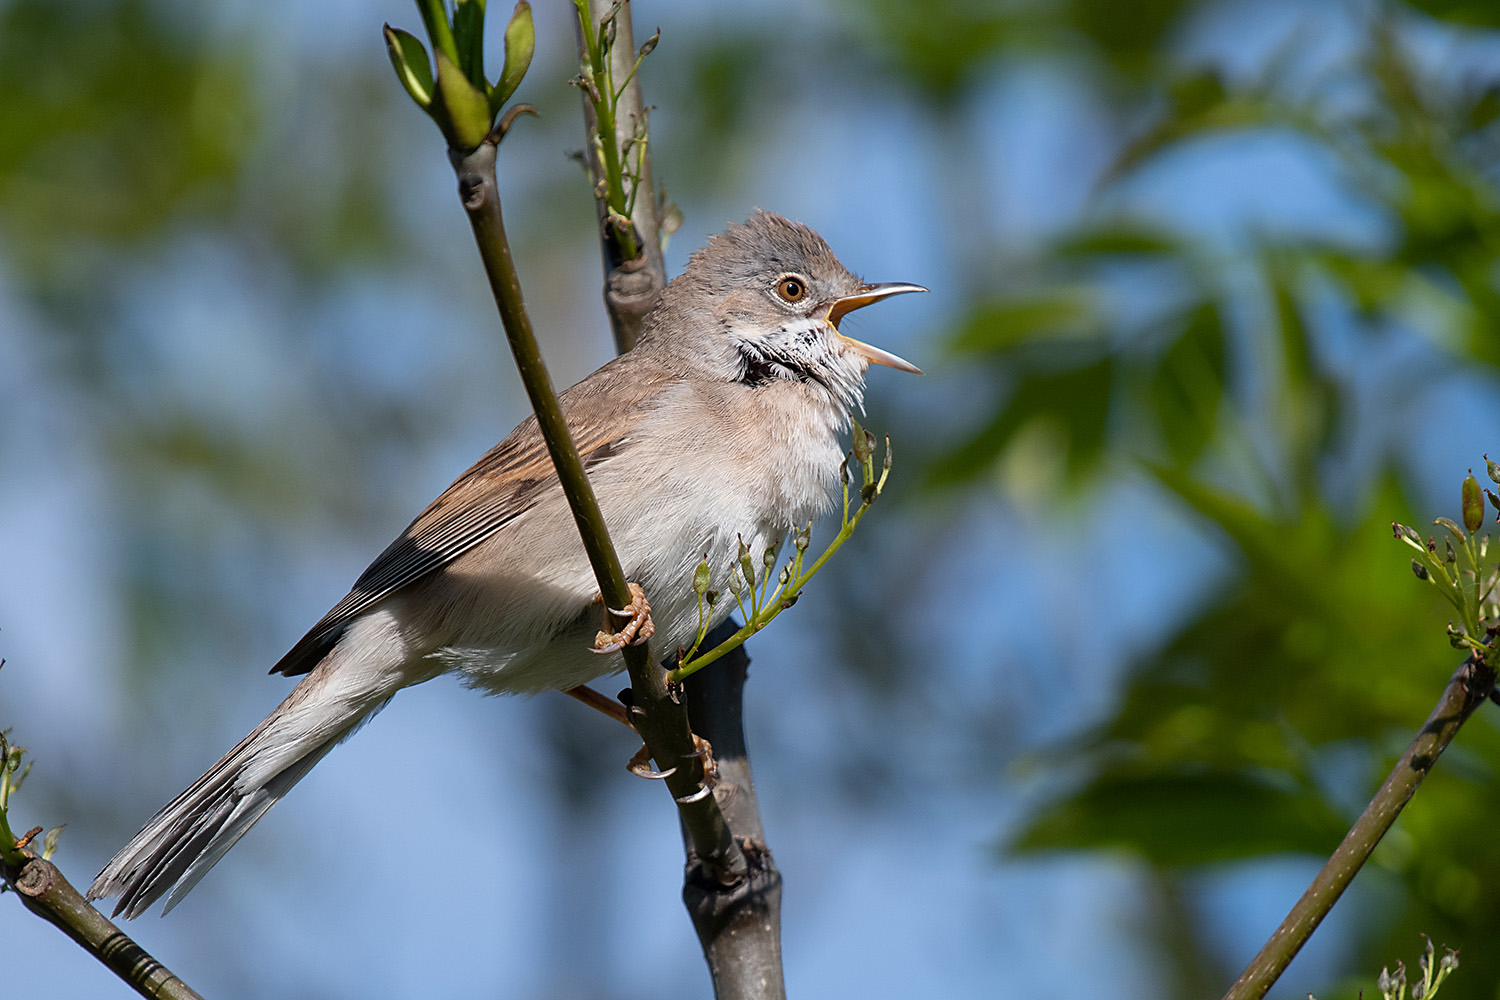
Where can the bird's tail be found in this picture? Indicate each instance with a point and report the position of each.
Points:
(191, 833)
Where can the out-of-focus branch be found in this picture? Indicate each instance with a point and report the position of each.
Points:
(634, 272)
(738, 922)
(1470, 686)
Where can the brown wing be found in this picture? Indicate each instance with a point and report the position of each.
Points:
(502, 485)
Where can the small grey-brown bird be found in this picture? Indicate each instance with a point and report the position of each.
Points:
(722, 424)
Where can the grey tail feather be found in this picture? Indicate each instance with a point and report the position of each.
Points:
(191, 833)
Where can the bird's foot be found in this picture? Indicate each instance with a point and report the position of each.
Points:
(705, 750)
(637, 630)
(640, 764)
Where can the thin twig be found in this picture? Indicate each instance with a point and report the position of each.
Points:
(1469, 688)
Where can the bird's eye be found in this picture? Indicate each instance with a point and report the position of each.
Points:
(791, 288)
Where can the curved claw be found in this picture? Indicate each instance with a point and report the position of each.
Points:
(640, 765)
(637, 630)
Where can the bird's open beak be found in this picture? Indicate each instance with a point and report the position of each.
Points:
(866, 295)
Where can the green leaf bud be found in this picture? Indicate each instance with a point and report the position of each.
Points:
(520, 45)
(863, 443)
(1453, 529)
(1473, 503)
(467, 109)
(409, 59)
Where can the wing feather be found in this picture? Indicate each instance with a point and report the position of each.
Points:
(505, 483)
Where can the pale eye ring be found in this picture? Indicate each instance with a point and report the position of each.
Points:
(791, 288)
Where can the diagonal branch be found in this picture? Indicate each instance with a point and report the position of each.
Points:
(656, 714)
(45, 892)
(1470, 686)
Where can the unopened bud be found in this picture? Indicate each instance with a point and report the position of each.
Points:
(1493, 468)
(747, 567)
(1401, 531)
(1473, 503)
(864, 443)
(1449, 556)
(1449, 961)
(649, 45)
(1419, 570)
(701, 578)
(1451, 525)
(844, 471)
(885, 463)
(1494, 501)
(769, 558)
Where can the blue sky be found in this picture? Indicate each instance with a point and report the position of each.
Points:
(432, 855)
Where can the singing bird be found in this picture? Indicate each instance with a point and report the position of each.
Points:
(721, 425)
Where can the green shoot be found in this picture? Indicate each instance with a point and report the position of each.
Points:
(759, 602)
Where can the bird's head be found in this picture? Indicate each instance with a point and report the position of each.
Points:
(775, 294)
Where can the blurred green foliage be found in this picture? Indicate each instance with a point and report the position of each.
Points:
(1234, 739)
(1253, 729)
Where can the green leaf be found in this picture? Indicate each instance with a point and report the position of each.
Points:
(1186, 816)
(1075, 402)
(468, 37)
(439, 32)
(1473, 13)
(1000, 325)
(1118, 239)
(409, 58)
(520, 44)
(467, 108)
(1188, 385)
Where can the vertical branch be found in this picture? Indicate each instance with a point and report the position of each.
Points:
(738, 923)
(739, 927)
(634, 272)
